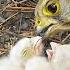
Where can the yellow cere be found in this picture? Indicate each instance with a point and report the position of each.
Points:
(52, 8)
(38, 21)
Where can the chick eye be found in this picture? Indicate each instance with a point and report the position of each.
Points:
(51, 9)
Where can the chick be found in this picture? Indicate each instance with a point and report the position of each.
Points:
(27, 54)
(20, 53)
(38, 63)
(60, 59)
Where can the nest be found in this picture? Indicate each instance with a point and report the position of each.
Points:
(17, 21)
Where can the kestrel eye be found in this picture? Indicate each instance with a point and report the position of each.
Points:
(52, 8)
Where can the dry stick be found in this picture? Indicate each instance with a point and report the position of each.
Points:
(3, 49)
(33, 3)
(32, 20)
(63, 41)
(18, 2)
(20, 8)
(18, 11)
(4, 8)
(8, 19)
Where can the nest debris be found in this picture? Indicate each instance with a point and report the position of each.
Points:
(17, 21)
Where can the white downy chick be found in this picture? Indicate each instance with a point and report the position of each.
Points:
(61, 57)
(38, 63)
(25, 55)
(20, 53)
